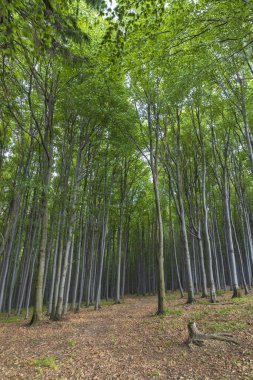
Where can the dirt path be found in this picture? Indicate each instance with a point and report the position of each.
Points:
(127, 341)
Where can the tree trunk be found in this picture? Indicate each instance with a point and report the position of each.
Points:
(230, 245)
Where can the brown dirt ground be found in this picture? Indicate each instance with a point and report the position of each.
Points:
(128, 341)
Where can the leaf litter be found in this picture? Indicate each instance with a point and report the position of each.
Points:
(128, 341)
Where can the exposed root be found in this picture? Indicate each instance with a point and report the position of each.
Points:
(197, 337)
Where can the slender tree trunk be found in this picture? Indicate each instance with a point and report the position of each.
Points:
(67, 290)
(78, 259)
(221, 255)
(215, 257)
(8, 250)
(206, 230)
(27, 265)
(56, 250)
(38, 307)
(202, 263)
(90, 269)
(29, 287)
(107, 203)
(84, 256)
(230, 245)
(153, 145)
(117, 297)
(125, 259)
(190, 287)
(59, 307)
(177, 269)
(246, 289)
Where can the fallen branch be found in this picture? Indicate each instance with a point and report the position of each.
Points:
(197, 337)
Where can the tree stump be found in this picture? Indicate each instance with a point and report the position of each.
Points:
(197, 337)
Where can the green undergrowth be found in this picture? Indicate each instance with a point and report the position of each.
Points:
(173, 295)
(227, 315)
(108, 302)
(14, 318)
(222, 326)
(169, 312)
(225, 310)
(220, 292)
(172, 312)
(249, 308)
(213, 313)
(202, 301)
(4, 318)
(47, 362)
(241, 300)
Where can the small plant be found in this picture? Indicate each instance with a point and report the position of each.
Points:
(39, 370)
(71, 343)
(114, 339)
(48, 362)
(154, 373)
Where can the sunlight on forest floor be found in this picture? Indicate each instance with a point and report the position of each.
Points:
(128, 341)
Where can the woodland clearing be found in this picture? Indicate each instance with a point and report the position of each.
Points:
(128, 341)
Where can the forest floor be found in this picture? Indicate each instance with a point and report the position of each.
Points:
(128, 341)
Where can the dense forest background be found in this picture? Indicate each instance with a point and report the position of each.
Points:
(126, 151)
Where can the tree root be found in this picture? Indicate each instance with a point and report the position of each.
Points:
(197, 337)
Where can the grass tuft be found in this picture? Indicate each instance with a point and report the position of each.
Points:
(48, 362)
(154, 373)
(71, 342)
